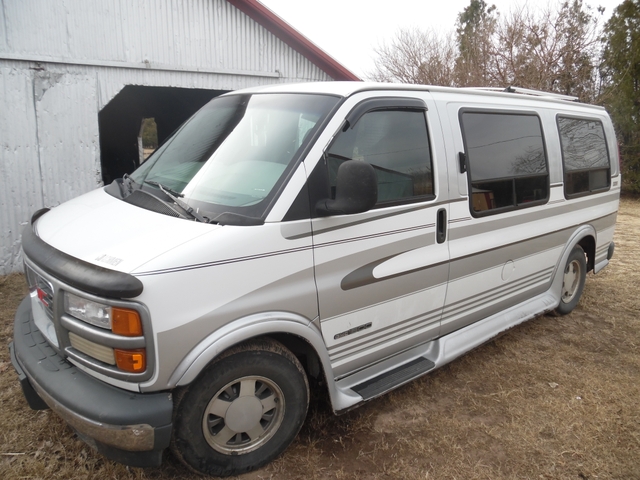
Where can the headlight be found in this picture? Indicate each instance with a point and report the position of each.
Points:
(121, 321)
(91, 312)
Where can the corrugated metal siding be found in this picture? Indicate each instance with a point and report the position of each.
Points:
(112, 80)
(20, 188)
(68, 134)
(191, 35)
(3, 29)
(62, 61)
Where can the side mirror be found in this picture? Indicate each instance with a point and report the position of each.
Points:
(356, 190)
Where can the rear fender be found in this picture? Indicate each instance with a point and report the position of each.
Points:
(581, 233)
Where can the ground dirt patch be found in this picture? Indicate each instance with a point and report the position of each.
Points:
(556, 398)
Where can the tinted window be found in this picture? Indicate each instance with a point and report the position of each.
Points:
(506, 159)
(396, 144)
(585, 156)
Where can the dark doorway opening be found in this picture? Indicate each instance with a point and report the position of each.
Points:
(121, 119)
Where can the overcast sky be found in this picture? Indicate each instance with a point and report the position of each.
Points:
(349, 30)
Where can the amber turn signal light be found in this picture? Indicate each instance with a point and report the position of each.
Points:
(134, 361)
(125, 322)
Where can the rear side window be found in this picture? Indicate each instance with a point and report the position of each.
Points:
(396, 144)
(506, 160)
(584, 155)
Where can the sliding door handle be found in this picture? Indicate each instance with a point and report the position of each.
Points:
(441, 227)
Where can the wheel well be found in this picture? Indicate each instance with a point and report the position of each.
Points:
(305, 354)
(297, 345)
(588, 244)
(301, 349)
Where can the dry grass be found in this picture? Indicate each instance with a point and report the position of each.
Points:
(556, 398)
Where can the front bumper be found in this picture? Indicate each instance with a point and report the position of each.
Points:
(131, 428)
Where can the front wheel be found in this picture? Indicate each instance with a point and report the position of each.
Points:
(243, 411)
(573, 280)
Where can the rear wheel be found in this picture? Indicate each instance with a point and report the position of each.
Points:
(243, 410)
(575, 273)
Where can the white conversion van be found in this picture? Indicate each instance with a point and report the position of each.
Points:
(358, 234)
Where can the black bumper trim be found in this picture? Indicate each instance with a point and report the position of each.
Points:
(108, 418)
(33, 399)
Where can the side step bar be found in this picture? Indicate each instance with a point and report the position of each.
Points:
(373, 381)
(393, 378)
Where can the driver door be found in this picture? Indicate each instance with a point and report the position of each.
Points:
(382, 274)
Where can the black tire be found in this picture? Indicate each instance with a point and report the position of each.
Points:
(574, 275)
(243, 410)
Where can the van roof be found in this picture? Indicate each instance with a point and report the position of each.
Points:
(345, 89)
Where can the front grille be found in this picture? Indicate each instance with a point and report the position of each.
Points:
(43, 288)
(41, 292)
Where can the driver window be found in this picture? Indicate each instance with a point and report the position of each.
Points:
(396, 144)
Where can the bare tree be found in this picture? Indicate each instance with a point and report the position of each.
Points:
(552, 50)
(515, 60)
(416, 56)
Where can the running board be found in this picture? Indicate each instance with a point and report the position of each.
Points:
(393, 378)
(373, 381)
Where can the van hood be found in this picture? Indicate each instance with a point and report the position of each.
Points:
(103, 230)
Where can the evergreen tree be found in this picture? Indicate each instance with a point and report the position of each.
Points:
(620, 72)
(474, 32)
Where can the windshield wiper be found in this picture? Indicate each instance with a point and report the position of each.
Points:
(169, 191)
(175, 196)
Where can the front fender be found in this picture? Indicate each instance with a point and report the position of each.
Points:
(258, 325)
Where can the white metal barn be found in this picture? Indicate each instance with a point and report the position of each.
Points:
(78, 76)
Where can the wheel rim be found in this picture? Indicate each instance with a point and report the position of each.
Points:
(243, 415)
(571, 281)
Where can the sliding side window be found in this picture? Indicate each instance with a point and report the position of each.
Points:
(396, 144)
(584, 155)
(506, 160)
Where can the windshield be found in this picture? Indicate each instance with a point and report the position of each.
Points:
(235, 152)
